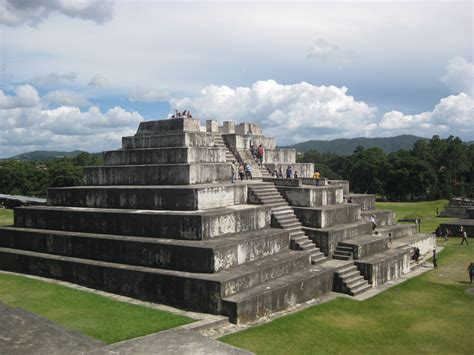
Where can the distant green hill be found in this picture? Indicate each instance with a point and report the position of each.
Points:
(346, 146)
(43, 155)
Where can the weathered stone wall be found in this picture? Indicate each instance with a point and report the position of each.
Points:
(385, 267)
(149, 197)
(144, 223)
(169, 139)
(311, 196)
(283, 156)
(235, 141)
(327, 216)
(177, 124)
(382, 218)
(175, 155)
(366, 202)
(166, 174)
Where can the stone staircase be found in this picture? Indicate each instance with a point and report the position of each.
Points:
(264, 171)
(351, 281)
(342, 252)
(220, 143)
(284, 217)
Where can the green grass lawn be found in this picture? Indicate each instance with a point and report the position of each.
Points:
(91, 314)
(6, 217)
(424, 210)
(431, 313)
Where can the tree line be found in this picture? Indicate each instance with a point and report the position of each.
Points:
(32, 178)
(432, 169)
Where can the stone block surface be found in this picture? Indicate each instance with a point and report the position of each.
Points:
(382, 218)
(169, 139)
(307, 196)
(174, 155)
(384, 266)
(366, 201)
(327, 238)
(177, 124)
(366, 245)
(146, 223)
(188, 197)
(158, 174)
(181, 255)
(328, 216)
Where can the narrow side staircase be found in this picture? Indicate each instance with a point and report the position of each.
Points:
(284, 217)
(342, 253)
(351, 280)
(219, 142)
(264, 171)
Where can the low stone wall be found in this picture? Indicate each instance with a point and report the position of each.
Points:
(149, 197)
(311, 196)
(343, 183)
(283, 182)
(175, 155)
(454, 227)
(385, 266)
(144, 223)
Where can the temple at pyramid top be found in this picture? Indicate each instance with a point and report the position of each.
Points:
(181, 152)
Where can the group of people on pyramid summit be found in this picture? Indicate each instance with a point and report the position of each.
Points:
(184, 114)
(241, 171)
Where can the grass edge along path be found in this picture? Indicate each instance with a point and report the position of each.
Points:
(96, 316)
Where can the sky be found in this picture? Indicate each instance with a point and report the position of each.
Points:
(82, 74)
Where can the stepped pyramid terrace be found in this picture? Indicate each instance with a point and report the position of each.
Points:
(161, 221)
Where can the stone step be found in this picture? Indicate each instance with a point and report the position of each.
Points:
(365, 245)
(176, 288)
(344, 248)
(270, 200)
(328, 216)
(318, 258)
(361, 289)
(355, 281)
(342, 253)
(354, 276)
(278, 294)
(192, 225)
(253, 274)
(327, 239)
(340, 257)
(194, 197)
(181, 255)
(157, 174)
(173, 155)
(348, 270)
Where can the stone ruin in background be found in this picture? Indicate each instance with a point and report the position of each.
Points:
(161, 222)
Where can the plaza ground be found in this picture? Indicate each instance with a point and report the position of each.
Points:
(431, 313)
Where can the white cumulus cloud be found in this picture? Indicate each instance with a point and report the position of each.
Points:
(25, 96)
(32, 12)
(28, 124)
(64, 98)
(452, 115)
(291, 112)
(459, 75)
